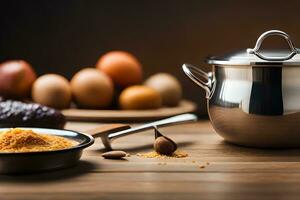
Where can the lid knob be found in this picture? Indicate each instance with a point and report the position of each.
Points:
(263, 36)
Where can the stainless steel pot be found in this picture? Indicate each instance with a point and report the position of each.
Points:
(253, 95)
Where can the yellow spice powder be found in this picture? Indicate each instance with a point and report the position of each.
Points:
(18, 140)
(154, 154)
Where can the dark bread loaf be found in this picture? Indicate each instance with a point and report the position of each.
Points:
(19, 114)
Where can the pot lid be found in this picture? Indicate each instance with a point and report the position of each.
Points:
(256, 56)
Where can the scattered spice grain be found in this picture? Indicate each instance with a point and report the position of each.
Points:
(154, 154)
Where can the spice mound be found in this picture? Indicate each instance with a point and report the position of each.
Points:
(19, 140)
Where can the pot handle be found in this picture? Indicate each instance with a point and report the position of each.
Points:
(197, 76)
(263, 36)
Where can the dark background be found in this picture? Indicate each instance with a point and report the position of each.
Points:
(65, 36)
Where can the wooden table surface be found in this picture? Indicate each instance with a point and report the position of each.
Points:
(233, 172)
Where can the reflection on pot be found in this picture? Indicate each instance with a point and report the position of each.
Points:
(291, 89)
(257, 106)
(241, 128)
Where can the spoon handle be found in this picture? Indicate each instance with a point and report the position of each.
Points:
(164, 122)
(106, 129)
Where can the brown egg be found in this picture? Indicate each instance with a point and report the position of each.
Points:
(168, 87)
(122, 67)
(92, 89)
(52, 90)
(139, 97)
(16, 78)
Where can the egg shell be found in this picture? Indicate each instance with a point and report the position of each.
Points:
(139, 97)
(122, 67)
(52, 90)
(16, 78)
(168, 86)
(92, 89)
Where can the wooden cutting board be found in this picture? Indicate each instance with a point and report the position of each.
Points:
(128, 115)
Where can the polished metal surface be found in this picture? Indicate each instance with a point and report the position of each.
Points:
(255, 103)
(260, 57)
(197, 75)
(256, 106)
(259, 41)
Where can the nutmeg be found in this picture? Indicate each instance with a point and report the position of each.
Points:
(164, 145)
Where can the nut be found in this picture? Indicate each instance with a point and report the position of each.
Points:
(114, 154)
(164, 145)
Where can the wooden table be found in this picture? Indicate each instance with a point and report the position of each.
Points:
(233, 172)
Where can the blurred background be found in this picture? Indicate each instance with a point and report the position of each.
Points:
(63, 36)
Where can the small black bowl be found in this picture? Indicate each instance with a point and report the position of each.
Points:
(31, 162)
